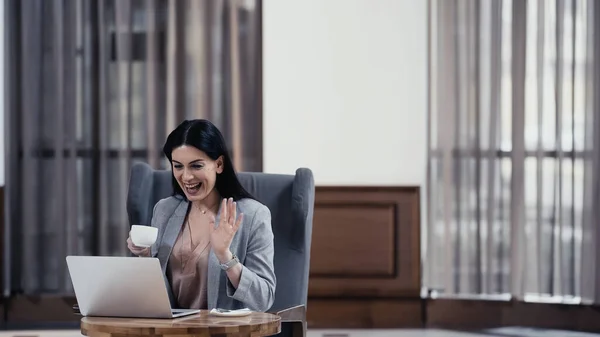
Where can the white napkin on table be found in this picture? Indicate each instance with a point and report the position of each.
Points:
(224, 312)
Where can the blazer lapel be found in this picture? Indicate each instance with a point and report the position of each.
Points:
(171, 232)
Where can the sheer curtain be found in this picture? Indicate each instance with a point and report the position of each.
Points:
(96, 85)
(514, 150)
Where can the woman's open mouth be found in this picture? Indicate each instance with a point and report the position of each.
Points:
(192, 189)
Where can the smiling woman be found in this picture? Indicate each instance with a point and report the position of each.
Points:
(215, 242)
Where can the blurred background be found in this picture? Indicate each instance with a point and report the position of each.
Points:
(463, 135)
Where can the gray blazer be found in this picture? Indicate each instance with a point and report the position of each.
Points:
(253, 244)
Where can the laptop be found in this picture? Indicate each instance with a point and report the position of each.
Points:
(121, 287)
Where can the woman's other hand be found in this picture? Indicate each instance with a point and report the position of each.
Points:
(229, 223)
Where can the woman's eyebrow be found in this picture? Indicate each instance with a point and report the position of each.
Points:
(192, 162)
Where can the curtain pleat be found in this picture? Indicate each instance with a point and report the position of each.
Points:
(102, 121)
(31, 91)
(153, 99)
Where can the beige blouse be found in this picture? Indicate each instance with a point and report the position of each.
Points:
(188, 266)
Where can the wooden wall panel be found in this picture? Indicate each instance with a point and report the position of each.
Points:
(364, 314)
(2, 233)
(45, 309)
(463, 314)
(365, 253)
(349, 230)
(365, 242)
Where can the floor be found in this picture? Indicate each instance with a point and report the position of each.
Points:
(41, 333)
(501, 332)
(389, 333)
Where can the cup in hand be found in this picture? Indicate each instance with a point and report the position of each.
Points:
(143, 236)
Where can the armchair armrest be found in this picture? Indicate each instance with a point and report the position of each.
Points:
(293, 314)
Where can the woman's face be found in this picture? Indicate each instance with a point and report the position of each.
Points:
(195, 172)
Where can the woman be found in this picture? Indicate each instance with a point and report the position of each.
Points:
(215, 242)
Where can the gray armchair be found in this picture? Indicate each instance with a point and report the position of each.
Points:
(290, 199)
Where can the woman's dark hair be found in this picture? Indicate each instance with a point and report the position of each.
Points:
(206, 137)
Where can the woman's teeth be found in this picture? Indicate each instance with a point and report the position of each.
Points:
(192, 187)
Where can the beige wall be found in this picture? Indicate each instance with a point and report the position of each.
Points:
(345, 90)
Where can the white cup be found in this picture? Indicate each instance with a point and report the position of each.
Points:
(143, 236)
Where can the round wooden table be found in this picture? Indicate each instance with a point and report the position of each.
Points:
(201, 324)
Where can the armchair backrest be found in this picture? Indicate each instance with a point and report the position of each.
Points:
(290, 198)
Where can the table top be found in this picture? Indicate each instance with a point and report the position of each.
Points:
(204, 324)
